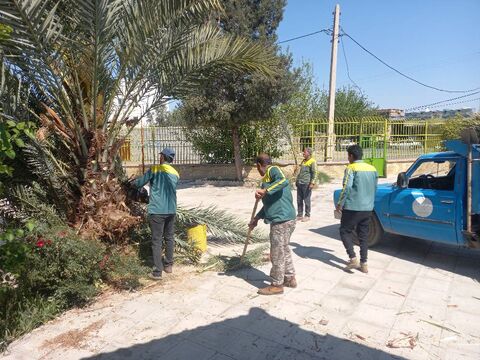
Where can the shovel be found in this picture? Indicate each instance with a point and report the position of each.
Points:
(249, 233)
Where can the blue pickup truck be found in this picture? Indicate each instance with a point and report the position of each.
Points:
(436, 199)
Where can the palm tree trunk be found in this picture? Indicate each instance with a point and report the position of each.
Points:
(236, 152)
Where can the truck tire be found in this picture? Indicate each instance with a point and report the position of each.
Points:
(375, 233)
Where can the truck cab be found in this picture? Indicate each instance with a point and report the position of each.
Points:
(429, 200)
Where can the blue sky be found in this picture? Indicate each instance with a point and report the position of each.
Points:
(434, 41)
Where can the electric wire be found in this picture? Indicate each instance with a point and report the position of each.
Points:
(444, 101)
(306, 35)
(348, 68)
(401, 73)
(448, 104)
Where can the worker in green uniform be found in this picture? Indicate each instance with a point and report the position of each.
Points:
(305, 183)
(162, 208)
(279, 212)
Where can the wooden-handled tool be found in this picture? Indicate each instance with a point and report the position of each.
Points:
(249, 230)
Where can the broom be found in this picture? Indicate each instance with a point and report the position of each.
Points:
(249, 230)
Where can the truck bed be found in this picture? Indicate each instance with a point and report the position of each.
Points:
(462, 149)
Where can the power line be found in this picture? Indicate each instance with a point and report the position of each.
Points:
(458, 102)
(402, 74)
(326, 31)
(348, 68)
(444, 101)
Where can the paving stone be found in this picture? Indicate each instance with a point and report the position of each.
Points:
(235, 343)
(185, 349)
(392, 287)
(423, 283)
(376, 315)
(384, 300)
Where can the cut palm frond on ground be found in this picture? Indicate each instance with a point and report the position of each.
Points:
(223, 263)
(223, 228)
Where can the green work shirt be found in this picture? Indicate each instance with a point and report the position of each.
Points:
(163, 181)
(278, 201)
(308, 172)
(359, 187)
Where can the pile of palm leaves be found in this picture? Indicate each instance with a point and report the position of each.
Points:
(222, 229)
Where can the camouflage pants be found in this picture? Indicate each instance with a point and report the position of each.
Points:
(280, 254)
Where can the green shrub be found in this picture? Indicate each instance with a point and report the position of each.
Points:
(215, 144)
(123, 269)
(54, 269)
(453, 127)
(64, 267)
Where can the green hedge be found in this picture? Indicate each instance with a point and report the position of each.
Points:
(51, 270)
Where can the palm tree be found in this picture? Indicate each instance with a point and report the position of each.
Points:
(89, 65)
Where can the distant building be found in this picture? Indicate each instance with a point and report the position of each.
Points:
(441, 114)
(392, 114)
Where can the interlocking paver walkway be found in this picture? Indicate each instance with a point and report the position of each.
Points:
(414, 287)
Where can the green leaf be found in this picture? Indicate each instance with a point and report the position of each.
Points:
(10, 153)
(30, 225)
(19, 142)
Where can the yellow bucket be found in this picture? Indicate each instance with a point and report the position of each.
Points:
(198, 235)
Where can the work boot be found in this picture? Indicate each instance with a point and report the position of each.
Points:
(290, 282)
(168, 269)
(353, 263)
(271, 290)
(364, 267)
(155, 276)
(306, 218)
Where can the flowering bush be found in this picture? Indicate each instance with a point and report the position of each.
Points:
(46, 272)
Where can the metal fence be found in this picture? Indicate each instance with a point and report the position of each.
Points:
(380, 138)
(389, 139)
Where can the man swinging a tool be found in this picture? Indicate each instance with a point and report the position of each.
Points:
(279, 212)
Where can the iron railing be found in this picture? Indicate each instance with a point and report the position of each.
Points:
(379, 138)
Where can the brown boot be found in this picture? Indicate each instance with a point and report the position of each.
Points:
(271, 290)
(364, 268)
(299, 217)
(290, 282)
(306, 218)
(353, 263)
(168, 269)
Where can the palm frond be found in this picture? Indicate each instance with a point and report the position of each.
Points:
(224, 228)
(33, 203)
(52, 173)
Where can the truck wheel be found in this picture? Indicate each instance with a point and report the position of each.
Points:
(375, 233)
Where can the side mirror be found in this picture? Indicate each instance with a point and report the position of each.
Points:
(402, 181)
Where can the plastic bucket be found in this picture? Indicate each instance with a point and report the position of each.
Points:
(198, 235)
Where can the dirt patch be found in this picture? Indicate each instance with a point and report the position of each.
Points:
(73, 338)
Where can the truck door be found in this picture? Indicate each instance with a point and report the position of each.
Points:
(426, 209)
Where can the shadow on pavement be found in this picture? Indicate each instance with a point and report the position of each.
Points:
(318, 253)
(459, 260)
(251, 337)
(251, 275)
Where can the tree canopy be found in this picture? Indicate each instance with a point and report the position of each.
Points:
(231, 99)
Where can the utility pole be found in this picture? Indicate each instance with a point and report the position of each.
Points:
(332, 88)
